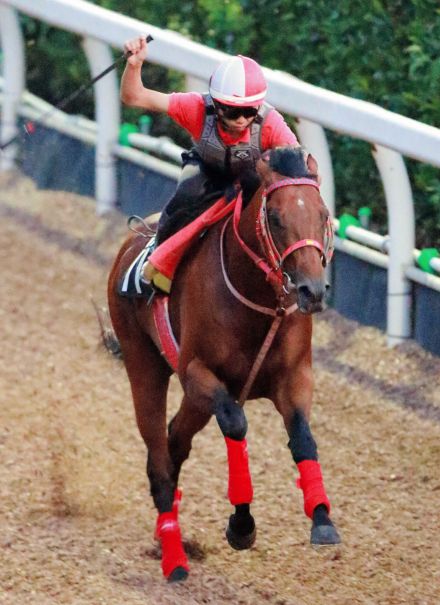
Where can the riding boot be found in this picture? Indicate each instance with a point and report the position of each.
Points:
(167, 226)
(182, 208)
(170, 223)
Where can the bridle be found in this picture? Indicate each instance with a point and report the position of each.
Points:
(271, 263)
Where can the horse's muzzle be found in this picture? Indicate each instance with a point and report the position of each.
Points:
(311, 295)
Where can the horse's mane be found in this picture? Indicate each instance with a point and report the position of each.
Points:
(249, 182)
(288, 161)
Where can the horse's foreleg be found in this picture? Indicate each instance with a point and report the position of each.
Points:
(316, 502)
(211, 393)
(295, 411)
(241, 531)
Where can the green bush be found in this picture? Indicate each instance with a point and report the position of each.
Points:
(384, 51)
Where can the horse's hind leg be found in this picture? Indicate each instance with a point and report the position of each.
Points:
(149, 378)
(211, 395)
(189, 420)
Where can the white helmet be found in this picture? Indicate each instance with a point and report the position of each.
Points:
(238, 81)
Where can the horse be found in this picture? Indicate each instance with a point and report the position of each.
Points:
(241, 308)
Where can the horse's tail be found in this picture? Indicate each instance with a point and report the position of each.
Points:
(108, 336)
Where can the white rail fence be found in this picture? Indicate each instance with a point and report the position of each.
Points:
(314, 109)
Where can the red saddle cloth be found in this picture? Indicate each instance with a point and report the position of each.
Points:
(167, 256)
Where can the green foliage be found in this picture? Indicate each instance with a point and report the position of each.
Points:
(384, 51)
(55, 63)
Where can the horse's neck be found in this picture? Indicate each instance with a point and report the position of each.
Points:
(246, 277)
(248, 221)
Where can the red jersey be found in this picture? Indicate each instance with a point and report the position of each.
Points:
(188, 110)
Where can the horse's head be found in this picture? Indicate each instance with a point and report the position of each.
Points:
(294, 224)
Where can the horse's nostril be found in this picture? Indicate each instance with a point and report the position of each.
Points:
(311, 297)
(310, 294)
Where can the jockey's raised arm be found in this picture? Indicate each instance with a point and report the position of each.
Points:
(133, 92)
(231, 125)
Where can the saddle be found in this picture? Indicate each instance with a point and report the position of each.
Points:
(164, 260)
(162, 264)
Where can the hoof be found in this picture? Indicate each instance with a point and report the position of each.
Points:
(238, 539)
(324, 535)
(179, 574)
(241, 542)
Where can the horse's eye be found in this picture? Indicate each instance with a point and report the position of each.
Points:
(275, 219)
(324, 212)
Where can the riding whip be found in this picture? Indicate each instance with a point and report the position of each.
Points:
(28, 127)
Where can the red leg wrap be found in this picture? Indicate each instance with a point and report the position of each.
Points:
(240, 485)
(176, 502)
(173, 554)
(175, 511)
(312, 485)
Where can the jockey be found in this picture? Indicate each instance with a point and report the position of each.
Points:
(230, 127)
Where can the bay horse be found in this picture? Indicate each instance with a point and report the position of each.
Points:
(241, 308)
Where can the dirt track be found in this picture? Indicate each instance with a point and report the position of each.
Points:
(76, 521)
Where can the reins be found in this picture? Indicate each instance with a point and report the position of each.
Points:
(271, 263)
(236, 293)
(277, 314)
(271, 266)
(261, 357)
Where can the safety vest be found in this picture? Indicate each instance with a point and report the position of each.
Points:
(231, 159)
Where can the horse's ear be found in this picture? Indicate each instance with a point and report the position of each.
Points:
(312, 164)
(263, 168)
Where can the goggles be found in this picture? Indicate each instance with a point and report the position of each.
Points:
(233, 113)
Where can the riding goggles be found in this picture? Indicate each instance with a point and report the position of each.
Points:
(233, 113)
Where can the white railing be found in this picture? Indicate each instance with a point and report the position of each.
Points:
(37, 110)
(374, 249)
(391, 135)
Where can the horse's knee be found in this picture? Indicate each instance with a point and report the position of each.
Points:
(230, 416)
(301, 442)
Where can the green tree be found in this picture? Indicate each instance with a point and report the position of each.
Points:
(384, 51)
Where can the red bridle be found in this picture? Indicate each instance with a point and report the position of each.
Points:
(272, 267)
(271, 264)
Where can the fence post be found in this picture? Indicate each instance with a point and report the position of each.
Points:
(401, 227)
(14, 81)
(107, 115)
